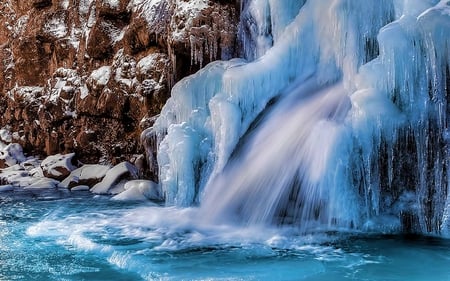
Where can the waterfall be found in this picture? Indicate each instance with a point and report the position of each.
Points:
(277, 175)
(336, 118)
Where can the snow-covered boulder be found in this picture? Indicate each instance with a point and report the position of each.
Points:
(116, 178)
(58, 166)
(140, 190)
(11, 155)
(88, 175)
(16, 176)
(31, 164)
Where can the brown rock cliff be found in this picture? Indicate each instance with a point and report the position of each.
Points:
(87, 76)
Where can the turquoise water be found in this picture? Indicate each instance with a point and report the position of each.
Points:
(75, 236)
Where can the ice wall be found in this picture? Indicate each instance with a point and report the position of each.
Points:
(384, 159)
(402, 160)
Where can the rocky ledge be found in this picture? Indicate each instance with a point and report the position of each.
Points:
(64, 172)
(88, 76)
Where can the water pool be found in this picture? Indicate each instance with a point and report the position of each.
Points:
(75, 236)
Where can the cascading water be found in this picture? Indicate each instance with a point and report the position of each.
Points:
(277, 176)
(356, 138)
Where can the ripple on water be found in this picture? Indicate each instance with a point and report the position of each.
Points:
(96, 239)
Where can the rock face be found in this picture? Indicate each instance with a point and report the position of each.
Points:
(87, 76)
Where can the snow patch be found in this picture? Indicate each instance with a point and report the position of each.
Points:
(56, 27)
(112, 3)
(5, 135)
(148, 62)
(30, 94)
(101, 75)
(65, 4)
(12, 154)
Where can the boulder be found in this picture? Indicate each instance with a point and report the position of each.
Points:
(16, 176)
(11, 155)
(116, 178)
(58, 166)
(140, 190)
(86, 175)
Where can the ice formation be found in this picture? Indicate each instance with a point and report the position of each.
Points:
(338, 118)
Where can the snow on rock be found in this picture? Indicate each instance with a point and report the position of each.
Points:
(58, 166)
(65, 4)
(31, 164)
(5, 135)
(16, 176)
(29, 94)
(10, 155)
(37, 172)
(148, 9)
(99, 77)
(63, 87)
(188, 10)
(124, 67)
(147, 64)
(56, 27)
(111, 3)
(86, 175)
(116, 178)
(140, 190)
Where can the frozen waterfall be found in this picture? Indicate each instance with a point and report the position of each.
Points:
(336, 118)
